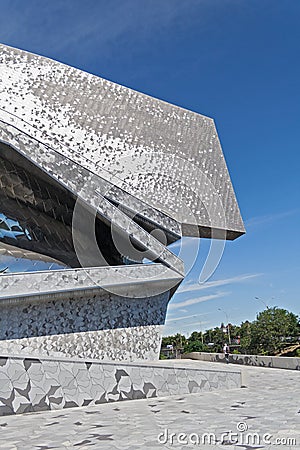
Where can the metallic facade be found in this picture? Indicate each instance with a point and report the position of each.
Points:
(97, 180)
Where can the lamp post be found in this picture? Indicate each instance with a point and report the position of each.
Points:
(201, 332)
(228, 325)
(263, 302)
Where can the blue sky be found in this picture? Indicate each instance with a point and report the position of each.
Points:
(234, 60)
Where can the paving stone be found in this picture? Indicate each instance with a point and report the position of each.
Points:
(270, 404)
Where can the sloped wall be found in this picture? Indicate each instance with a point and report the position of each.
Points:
(39, 384)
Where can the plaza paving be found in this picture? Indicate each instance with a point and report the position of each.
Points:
(267, 410)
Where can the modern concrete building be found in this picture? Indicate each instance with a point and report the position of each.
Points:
(96, 180)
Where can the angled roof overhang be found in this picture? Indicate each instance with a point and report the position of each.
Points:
(140, 163)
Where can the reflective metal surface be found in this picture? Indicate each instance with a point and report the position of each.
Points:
(166, 156)
(95, 180)
(14, 260)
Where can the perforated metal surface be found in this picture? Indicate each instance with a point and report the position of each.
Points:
(136, 166)
(167, 156)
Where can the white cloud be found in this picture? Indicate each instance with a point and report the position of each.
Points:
(192, 286)
(196, 300)
(185, 317)
(261, 220)
(184, 326)
(62, 25)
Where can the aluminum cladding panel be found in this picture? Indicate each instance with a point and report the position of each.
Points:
(164, 155)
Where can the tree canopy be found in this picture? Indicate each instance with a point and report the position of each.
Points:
(272, 331)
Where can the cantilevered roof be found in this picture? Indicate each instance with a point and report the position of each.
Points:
(159, 161)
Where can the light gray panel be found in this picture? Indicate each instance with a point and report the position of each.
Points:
(30, 384)
(98, 325)
(166, 156)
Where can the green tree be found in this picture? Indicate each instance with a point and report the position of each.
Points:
(195, 343)
(271, 329)
(216, 337)
(167, 340)
(235, 331)
(177, 341)
(245, 334)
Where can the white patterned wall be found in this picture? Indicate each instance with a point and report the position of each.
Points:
(34, 384)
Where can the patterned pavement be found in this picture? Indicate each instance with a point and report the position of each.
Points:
(264, 414)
